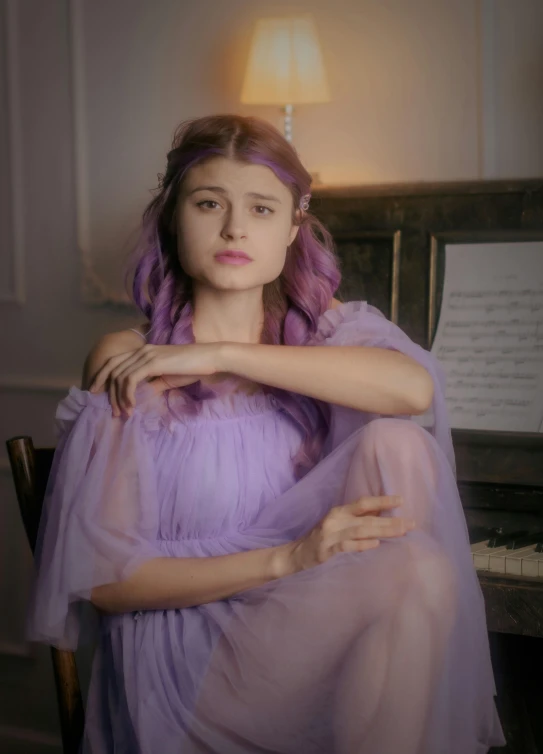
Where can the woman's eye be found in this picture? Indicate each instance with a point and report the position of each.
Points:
(206, 201)
(258, 206)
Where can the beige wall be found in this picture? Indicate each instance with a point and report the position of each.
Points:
(90, 93)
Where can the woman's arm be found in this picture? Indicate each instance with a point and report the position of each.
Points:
(174, 583)
(364, 378)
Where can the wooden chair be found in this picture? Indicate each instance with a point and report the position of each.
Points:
(30, 467)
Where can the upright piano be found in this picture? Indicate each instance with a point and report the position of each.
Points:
(391, 241)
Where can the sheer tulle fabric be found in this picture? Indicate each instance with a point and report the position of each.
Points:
(369, 653)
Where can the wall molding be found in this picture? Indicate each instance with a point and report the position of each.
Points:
(93, 289)
(26, 383)
(12, 107)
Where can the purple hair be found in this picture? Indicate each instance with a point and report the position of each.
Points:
(293, 303)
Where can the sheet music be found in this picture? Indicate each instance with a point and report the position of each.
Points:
(489, 337)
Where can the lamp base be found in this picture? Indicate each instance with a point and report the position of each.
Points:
(287, 121)
(288, 111)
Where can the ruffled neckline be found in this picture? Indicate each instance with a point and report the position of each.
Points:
(151, 409)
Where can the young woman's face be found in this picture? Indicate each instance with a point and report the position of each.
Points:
(219, 210)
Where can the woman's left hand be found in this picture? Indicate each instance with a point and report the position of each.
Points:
(165, 367)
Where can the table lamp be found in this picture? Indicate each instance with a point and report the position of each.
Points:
(285, 66)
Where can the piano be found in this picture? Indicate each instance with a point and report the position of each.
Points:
(391, 241)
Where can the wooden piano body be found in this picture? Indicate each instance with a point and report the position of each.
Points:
(391, 242)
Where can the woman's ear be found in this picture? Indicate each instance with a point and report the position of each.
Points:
(293, 234)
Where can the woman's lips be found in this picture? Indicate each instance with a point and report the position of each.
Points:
(232, 259)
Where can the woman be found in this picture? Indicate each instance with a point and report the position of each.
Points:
(270, 551)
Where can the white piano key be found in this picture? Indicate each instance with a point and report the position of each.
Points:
(497, 561)
(481, 558)
(479, 545)
(531, 565)
(513, 561)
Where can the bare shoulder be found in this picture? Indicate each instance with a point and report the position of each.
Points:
(334, 303)
(107, 346)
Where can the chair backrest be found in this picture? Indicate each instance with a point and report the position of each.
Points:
(30, 467)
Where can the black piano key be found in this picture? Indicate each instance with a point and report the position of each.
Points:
(482, 533)
(528, 539)
(502, 539)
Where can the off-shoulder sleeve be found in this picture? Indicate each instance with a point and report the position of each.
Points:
(100, 514)
(360, 323)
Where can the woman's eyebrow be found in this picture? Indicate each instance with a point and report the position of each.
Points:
(220, 190)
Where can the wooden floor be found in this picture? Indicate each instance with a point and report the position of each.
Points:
(518, 670)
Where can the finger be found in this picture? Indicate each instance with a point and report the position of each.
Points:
(119, 376)
(114, 393)
(143, 372)
(353, 545)
(375, 526)
(119, 395)
(101, 377)
(113, 396)
(372, 528)
(123, 388)
(129, 379)
(369, 503)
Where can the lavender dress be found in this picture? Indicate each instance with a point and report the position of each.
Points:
(375, 652)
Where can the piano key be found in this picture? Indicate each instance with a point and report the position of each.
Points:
(531, 565)
(477, 547)
(514, 558)
(481, 558)
(497, 561)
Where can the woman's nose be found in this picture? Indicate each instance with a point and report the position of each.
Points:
(234, 224)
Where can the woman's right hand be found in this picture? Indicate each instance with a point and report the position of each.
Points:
(353, 527)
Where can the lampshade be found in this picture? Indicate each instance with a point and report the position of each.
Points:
(285, 64)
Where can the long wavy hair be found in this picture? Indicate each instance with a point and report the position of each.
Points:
(293, 303)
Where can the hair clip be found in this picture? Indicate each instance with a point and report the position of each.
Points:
(304, 202)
